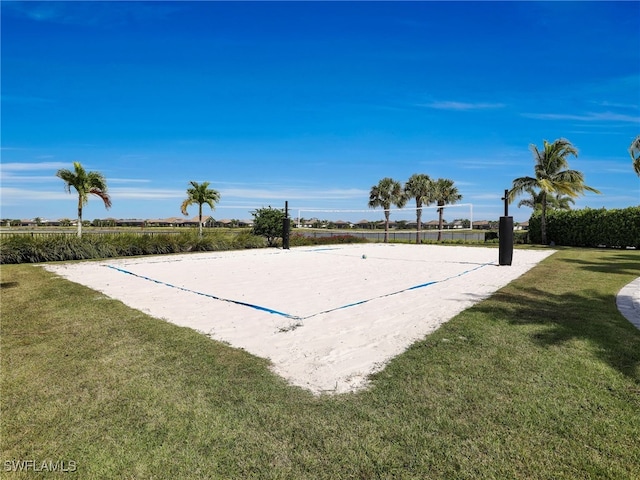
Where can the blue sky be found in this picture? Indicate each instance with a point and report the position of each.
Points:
(311, 102)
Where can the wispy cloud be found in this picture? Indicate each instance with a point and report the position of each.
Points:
(94, 14)
(126, 193)
(461, 106)
(10, 178)
(294, 194)
(485, 163)
(616, 105)
(23, 167)
(586, 117)
(229, 197)
(127, 180)
(16, 196)
(485, 196)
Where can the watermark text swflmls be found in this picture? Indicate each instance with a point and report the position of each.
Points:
(65, 466)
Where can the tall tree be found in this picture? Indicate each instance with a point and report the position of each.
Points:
(201, 194)
(552, 176)
(634, 151)
(386, 193)
(556, 202)
(421, 188)
(269, 222)
(445, 193)
(85, 183)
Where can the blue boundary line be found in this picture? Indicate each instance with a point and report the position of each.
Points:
(237, 302)
(415, 287)
(288, 315)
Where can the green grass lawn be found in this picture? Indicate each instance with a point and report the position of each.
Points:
(541, 381)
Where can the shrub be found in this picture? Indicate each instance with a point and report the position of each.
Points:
(589, 227)
(300, 240)
(268, 223)
(24, 248)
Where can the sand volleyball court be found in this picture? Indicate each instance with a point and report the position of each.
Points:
(326, 317)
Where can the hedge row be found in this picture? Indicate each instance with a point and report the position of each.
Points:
(589, 227)
(300, 240)
(51, 248)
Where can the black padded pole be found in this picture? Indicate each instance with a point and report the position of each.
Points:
(505, 234)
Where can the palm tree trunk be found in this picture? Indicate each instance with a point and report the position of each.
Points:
(440, 215)
(418, 221)
(79, 218)
(386, 226)
(543, 223)
(200, 219)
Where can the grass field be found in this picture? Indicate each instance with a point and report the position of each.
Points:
(540, 381)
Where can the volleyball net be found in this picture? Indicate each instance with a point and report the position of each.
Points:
(457, 216)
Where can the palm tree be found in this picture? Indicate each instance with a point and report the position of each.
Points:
(444, 194)
(91, 183)
(552, 176)
(634, 151)
(420, 187)
(556, 202)
(200, 193)
(386, 193)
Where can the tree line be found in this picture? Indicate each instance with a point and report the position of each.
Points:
(421, 188)
(553, 186)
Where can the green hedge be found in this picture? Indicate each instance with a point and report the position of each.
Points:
(589, 227)
(300, 240)
(25, 248)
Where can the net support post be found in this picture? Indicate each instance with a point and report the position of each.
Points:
(505, 234)
(505, 241)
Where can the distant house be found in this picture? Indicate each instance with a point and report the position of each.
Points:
(51, 223)
(342, 224)
(522, 226)
(166, 222)
(130, 222)
(481, 225)
(225, 222)
(432, 224)
(207, 221)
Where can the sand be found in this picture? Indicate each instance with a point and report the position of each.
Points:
(325, 317)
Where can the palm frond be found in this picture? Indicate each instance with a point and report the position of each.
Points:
(634, 152)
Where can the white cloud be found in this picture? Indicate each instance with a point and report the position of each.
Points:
(22, 167)
(587, 117)
(127, 180)
(293, 194)
(486, 196)
(17, 196)
(6, 178)
(616, 105)
(474, 164)
(461, 106)
(124, 193)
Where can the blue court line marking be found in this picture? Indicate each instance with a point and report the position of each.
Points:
(296, 317)
(237, 302)
(415, 287)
